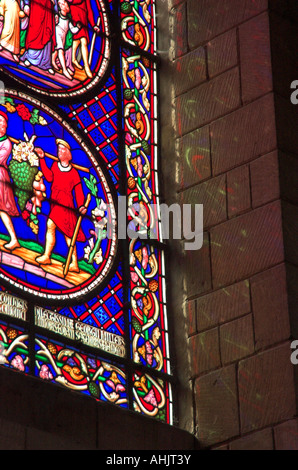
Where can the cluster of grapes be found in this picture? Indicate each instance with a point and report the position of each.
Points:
(23, 175)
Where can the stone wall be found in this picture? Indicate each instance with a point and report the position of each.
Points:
(230, 143)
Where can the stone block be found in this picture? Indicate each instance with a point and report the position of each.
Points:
(189, 70)
(264, 176)
(270, 307)
(208, 18)
(196, 270)
(255, 57)
(12, 435)
(207, 102)
(43, 440)
(266, 388)
(212, 194)
(223, 305)
(217, 406)
(194, 157)
(236, 339)
(246, 245)
(222, 53)
(260, 440)
(286, 435)
(243, 135)
(204, 352)
(224, 447)
(238, 191)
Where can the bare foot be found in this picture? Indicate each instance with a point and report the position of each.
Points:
(73, 268)
(88, 72)
(44, 259)
(55, 67)
(12, 245)
(67, 75)
(76, 63)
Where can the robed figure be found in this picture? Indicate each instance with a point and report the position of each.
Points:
(10, 35)
(40, 33)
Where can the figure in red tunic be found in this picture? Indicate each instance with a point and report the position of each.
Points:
(81, 12)
(65, 181)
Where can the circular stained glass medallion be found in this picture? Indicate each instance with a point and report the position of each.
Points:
(57, 212)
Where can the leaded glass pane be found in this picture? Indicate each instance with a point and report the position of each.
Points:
(82, 259)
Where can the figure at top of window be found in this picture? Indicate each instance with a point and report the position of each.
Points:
(55, 43)
(81, 12)
(39, 41)
(10, 25)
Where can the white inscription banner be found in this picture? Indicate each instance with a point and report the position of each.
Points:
(76, 330)
(12, 306)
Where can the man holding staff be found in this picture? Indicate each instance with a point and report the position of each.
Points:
(81, 12)
(65, 181)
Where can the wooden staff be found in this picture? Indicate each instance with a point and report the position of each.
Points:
(52, 157)
(93, 42)
(74, 237)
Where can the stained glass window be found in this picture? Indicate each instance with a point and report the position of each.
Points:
(82, 260)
